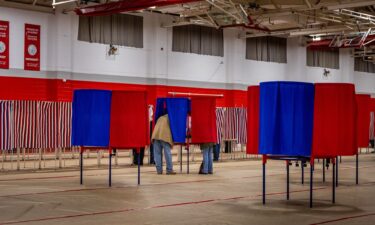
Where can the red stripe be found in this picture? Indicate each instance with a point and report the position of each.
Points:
(153, 207)
(345, 218)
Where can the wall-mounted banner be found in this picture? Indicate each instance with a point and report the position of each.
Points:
(4, 44)
(32, 47)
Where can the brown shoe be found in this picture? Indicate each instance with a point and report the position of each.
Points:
(171, 173)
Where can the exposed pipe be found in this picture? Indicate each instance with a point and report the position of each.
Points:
(253, 27)
(126, 6)
(326, 43)
(194, 94)
(26, 6)
(222, 9)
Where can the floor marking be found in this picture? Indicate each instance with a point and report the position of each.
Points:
(344, 218)
(170, 205)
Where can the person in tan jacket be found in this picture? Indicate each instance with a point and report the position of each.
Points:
(162, 139)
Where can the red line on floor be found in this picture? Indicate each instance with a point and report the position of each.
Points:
(146, 171)
(344, 218)
(38, 178)
(168, 205)
(143, 185)
(153, 184)
(145, 208)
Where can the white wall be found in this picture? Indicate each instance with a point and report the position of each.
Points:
(62, 52)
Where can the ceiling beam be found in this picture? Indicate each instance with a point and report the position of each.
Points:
(25, 6)
(352, 4)
(276, 5)
(307, 31)
(308, 4)
(223, 10)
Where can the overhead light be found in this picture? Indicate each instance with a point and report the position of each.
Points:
(317, 38)
(152, 7)
(62, 2)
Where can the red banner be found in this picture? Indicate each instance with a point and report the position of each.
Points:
(4, 45)
(32, 47)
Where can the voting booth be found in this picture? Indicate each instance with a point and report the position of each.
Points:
(302, 122)
(109, 120)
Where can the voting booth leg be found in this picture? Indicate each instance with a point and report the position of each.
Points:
(311, 184)
(264, 183)
(139, 166)
(303, 172)
(81, 166)
(333, 181)
(287, 180)
(337, 171)
(356, 168)
(188, 161)
(110, 169)
(324, 170)
(181, 159)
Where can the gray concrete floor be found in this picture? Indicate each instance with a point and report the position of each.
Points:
(231, 196)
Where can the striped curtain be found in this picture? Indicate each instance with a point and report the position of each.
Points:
(6, 125)
(372, 126)
(25, 124)
(231, 124)
(48, 125)
(219, 123)
(241, 116)
(35, 124)
(65, 124)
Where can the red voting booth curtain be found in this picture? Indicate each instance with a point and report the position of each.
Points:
(363, 119)
(335, 122)
(372, 104)
(253, 120)
(129, 119)
(203, 120)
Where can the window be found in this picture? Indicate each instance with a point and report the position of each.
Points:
(326, 58)
(198, 39)
(267, 49)
(361, 65)
(117, 29)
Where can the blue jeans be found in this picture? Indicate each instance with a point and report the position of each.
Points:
(207, 160)
(158, 147)
(216, 152)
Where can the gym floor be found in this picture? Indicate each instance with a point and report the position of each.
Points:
(232, 195)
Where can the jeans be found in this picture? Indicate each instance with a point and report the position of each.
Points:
(216, 152)
(207, 160)
(158, 147)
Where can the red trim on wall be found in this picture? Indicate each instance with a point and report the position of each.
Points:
(17, 88)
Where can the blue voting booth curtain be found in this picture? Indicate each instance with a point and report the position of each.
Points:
(286, 118)
(91, 118)
(177, 109)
